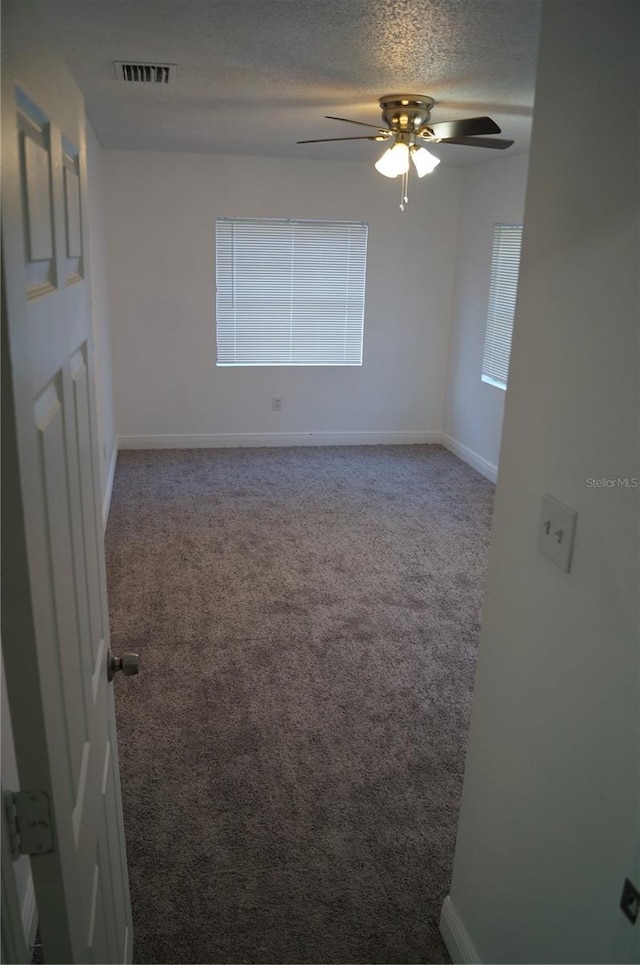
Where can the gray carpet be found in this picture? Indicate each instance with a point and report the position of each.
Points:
(293, 749)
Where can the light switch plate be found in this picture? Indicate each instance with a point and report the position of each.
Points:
(556, 531)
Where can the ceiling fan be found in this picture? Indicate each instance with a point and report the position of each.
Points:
(407, 125)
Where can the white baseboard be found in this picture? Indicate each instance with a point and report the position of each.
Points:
(127, 956)
(228, 439)
(469, 456)
(456, 937)
(29, 913)
(111, 471)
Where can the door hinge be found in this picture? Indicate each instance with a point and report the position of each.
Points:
(29, 822)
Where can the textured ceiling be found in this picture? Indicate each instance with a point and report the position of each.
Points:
(255, 76)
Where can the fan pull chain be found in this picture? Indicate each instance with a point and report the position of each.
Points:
(404, 190)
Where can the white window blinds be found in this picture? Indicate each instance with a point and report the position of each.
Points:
(505, 264)
(289, 292)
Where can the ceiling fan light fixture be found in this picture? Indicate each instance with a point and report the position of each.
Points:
(423, 161)
(394, 161)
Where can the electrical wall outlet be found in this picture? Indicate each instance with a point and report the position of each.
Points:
(276, 403)
(556, 531)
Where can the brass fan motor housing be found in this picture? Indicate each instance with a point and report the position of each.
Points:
(406, 113)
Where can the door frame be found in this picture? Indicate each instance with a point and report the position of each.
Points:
(29, 56)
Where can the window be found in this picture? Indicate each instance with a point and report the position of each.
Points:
(289, 292)
(505, 263)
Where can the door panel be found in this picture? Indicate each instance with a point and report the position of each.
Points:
(37, 197)
(89, 524)
(55, 625)
(54, 486)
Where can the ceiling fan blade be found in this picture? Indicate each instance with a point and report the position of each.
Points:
(347, 120)
(465, 127)
(499, 143)
(320, 140)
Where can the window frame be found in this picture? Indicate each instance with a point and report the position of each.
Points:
(503, 292)
(322, 295)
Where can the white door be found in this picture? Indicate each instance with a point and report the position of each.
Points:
(55, 634)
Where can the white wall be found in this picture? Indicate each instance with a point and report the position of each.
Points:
(161, 231)
(550, 805)
(101, 313)
(491, 192)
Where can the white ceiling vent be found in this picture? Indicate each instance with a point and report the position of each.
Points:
(132, 73)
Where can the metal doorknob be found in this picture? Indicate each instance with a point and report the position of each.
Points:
(129, 663)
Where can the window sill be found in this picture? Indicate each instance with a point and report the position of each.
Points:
(490, 381)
